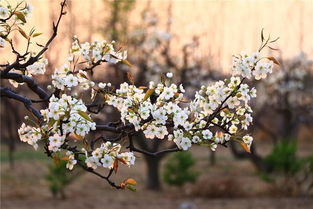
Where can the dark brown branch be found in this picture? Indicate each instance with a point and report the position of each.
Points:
(31, 83)
(153, 154)
(6, 92)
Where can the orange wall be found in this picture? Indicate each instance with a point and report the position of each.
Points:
(225, 27)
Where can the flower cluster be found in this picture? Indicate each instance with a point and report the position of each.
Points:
(55, 142)
(67, 115)
(64, 77)
(107, 155)
(38, 67)
(63, 116)
(250, 65)
(70, 160)
(159, 111)
(30, 134)
(97, 51)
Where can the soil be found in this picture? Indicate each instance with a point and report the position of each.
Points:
(228, 184)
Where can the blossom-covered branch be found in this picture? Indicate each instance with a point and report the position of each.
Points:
(220, 111)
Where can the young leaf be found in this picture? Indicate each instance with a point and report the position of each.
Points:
(20, 16)
(131, 188)
(131, 181)
(274, 60)
(65, 158)
(127, 63)
(84, 115)
(76, 136)
(115, 166)
(83, 75)
(51, 122)
(245, 147)
(22, 32)
(148, 94)
(36, 34)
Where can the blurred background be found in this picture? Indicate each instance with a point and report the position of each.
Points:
(194, 39)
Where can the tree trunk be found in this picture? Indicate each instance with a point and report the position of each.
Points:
(212, 158)
(153, 177)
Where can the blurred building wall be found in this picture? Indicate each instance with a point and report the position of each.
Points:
(224, 27)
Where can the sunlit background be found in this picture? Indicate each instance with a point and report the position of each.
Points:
(194, 39)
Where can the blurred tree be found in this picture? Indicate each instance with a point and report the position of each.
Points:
(117, 26)
(59, 177)
(179, 169)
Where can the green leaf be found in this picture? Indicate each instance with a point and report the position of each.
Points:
(84, 115)
(51, 122)
(131, 188)
(36, 34)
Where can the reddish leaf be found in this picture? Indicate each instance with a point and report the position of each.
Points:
(115, 166)
(274, 60)
(130, 181)
(22, 32)
(245, 147)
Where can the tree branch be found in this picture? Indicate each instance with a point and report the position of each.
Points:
(6, 92)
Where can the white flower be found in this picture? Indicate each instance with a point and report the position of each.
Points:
(213, 147)
(207, 134)
(161, 132)
(128, 157)
(169, 75)
(71, 160)
(247, 140)
(232, 102)
(180, 118)
(185, 143)
(71, 80)
(55, 142)
(38, 67)
(196, 139)
(167, 93)
(102, 85)
(30, 135)
(151, 131)
(107, 161)
(4, 12)
(92, 162)
(233, 129)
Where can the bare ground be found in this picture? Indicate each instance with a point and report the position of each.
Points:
(235, 183)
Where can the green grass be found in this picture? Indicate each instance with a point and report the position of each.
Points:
(22, 153)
